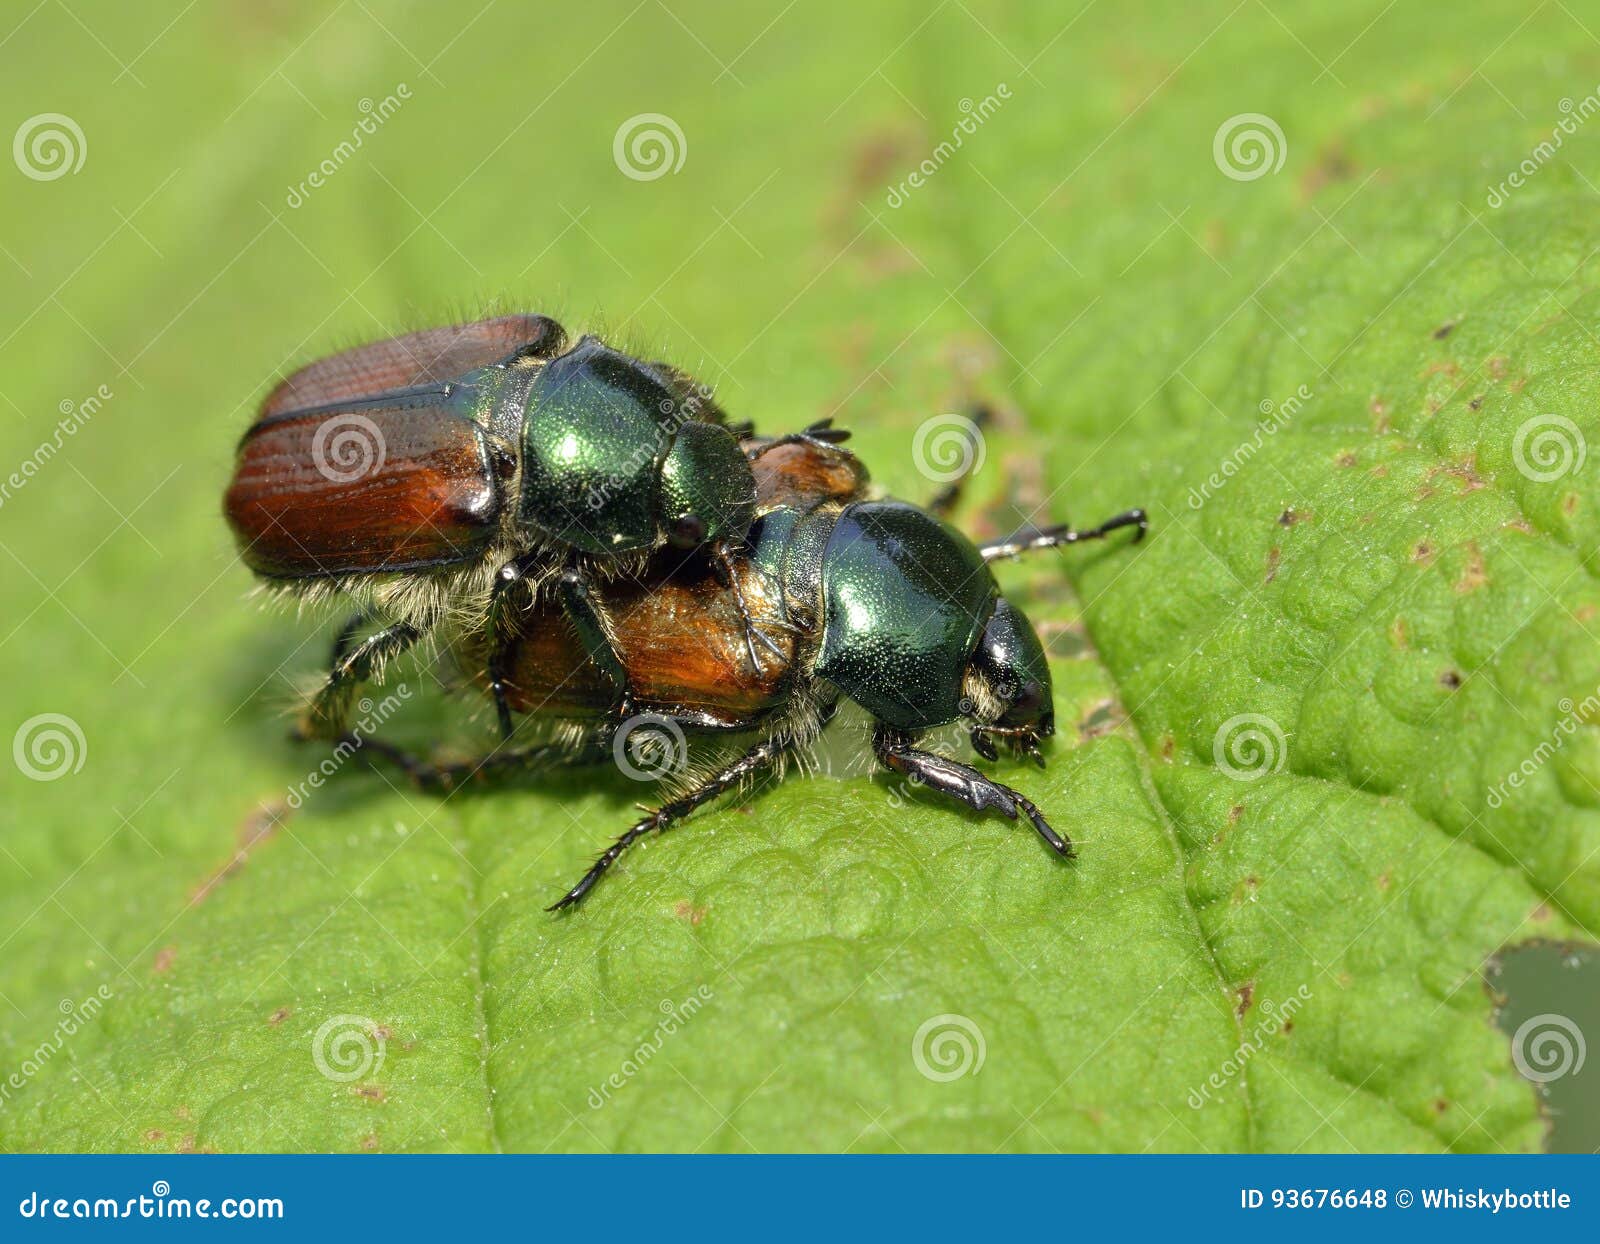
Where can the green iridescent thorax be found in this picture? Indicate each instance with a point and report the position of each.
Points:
(596, 431)
(905, 599)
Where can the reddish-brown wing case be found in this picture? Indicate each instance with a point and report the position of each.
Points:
(363, 491)
(432, 354)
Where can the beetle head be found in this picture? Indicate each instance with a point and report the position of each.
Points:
(708, 493)
(1006, 691)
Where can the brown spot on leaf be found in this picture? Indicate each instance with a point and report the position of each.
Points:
(1473, 575)
(162, 963)
(258, 827)
(1443, 331)
(369, 1143)
(1450, 679)
(154, 1134)
(372, 1092)
(278, 1016)
(1346, 459)
(1475, 403)
(1246, 992)
(1234, 813)
(1498, 365)
(1168, 746)
(1384, 881)
(1440, 1105)
(1441, 367)
(1422, 553)
(1332, 165)
(685, 910)
(1569, 504)
(1400, 633)
(1274, 556)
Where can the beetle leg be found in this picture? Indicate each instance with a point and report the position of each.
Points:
(1056, 537)
(324, 716)
(430, 776)
(819, 435)
(505, 580)
(767, 752)
(722, 562)
(950, 777)
(944, 502)
(583, 611)
(347, 635)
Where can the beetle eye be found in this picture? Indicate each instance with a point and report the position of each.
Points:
(688, 532)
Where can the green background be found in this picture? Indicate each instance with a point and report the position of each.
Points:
(1380, 581)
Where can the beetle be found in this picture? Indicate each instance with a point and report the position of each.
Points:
(878, 601)
(430, 474)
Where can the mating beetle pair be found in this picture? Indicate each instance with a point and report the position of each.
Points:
(873, 600)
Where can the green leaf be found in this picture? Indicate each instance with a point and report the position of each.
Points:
(1279, 948)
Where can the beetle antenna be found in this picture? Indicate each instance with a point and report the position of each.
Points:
(1058, 537)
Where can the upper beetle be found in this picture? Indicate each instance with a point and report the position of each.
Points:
(433, 471)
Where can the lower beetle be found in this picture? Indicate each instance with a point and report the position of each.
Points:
(878, 601)
(428, 474)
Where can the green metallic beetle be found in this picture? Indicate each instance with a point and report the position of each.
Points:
(876, 601)
(428, 475)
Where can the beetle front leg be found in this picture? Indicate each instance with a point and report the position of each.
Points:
(583, 611)
(508, 577)
(325, 715)
(962, 782)
(728, 575)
